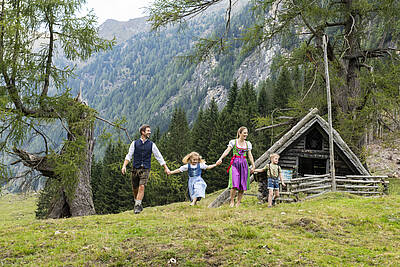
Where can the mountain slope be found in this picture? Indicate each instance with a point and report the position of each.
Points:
(143, 79)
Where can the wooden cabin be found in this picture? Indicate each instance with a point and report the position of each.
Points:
(304, 159)
(304, 150)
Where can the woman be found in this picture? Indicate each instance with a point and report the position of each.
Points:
(238, 169)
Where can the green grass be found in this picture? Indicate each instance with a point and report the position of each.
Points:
(334, 229)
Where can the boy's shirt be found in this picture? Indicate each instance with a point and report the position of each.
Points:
(273, 170)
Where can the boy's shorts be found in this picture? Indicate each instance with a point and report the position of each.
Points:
(273, 183)
(140, 177)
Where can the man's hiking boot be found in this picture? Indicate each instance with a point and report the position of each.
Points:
(138, 209)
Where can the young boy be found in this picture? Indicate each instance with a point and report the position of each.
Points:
(274, 173)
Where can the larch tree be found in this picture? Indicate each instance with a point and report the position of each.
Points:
(33, 93)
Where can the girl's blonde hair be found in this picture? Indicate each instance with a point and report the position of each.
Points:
(187, 158)
(240, 130)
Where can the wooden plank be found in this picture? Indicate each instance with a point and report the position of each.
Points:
(297, 180)
(308, 155)
(359, 192)
(358, 181)
(311, 188)
(315, 182)
(366, 176)
(318, 175)
(309, 177)
(359, 186)
(308, 151)
(288, 157)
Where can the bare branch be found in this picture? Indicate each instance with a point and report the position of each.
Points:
(113, 124)
(66, 128)
(39, 163)
(348, 34)
(312, 84)
(275, 125)
(371, 53)
(176, 11)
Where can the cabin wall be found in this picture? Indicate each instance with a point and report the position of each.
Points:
(289, 158)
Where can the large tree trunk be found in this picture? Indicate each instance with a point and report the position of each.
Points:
(81, 204)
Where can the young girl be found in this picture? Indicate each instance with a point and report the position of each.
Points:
(194, 164)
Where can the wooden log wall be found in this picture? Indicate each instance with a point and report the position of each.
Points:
(312, 186)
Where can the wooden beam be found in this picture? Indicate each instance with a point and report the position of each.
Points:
(359, 181)
(358, 186)
(360, 192)
(311, 188)
(329, 101)
(366, 176)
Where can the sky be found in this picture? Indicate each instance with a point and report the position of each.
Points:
(122, 10)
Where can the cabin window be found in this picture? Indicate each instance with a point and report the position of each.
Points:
(314, 140)
(312, 166)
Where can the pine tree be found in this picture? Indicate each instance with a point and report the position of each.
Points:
(112, 191)
(264, 100)
(283, 89)
(175, 142)
(164, 189)
(246, 105)
(200, 135)
(233, 92)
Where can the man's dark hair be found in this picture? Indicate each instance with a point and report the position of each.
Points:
(143, 128)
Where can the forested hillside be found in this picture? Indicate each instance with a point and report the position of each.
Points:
(144, 78)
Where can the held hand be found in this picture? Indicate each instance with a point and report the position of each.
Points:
(219, 162)
(283, 184)
(123, 170)
(167, 171)
(252, 170)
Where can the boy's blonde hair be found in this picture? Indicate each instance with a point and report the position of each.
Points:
(187, 158)
(273, 155)
(240, 130)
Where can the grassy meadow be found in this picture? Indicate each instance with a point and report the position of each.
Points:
(334, 229)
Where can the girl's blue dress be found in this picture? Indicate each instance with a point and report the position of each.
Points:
(197, 186)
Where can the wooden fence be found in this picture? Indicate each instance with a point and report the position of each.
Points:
(311, 186)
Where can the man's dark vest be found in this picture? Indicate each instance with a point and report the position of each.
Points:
(142, 154)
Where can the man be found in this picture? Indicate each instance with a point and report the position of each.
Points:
(141, 151)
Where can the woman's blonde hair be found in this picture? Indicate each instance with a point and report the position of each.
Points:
(240, 130)
(187, 158)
